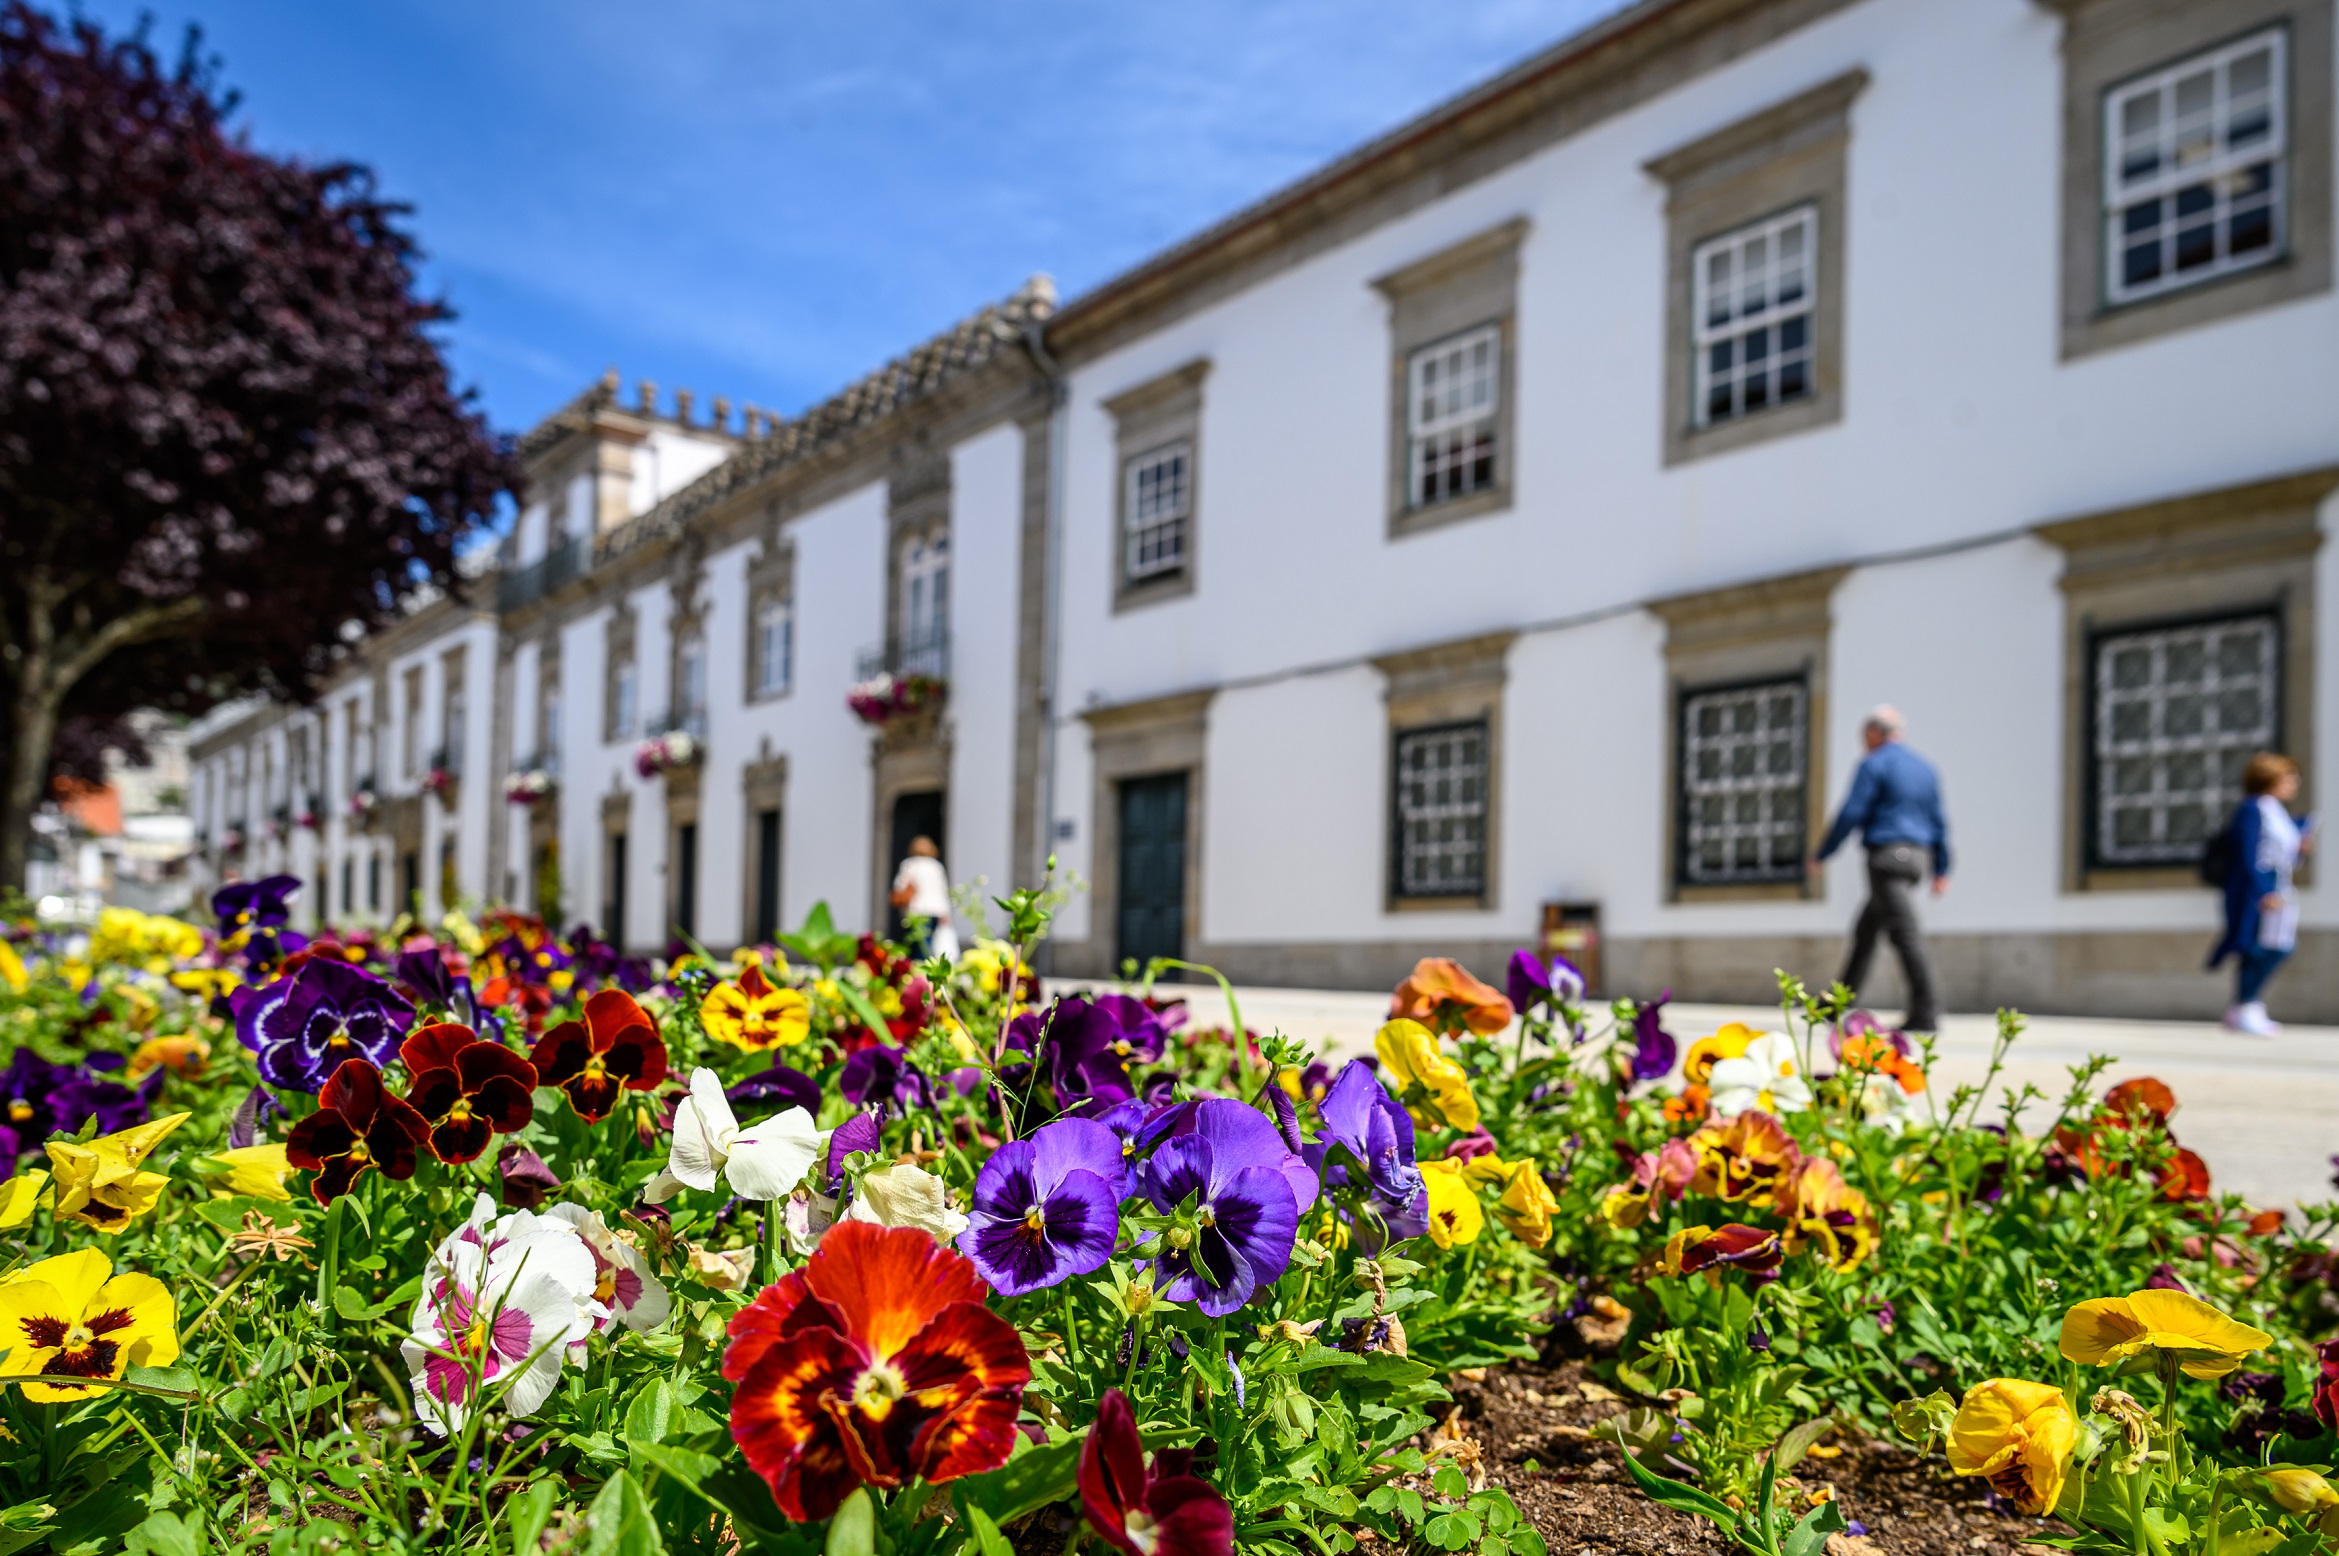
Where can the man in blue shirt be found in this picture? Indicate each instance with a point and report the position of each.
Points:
(1895, 805)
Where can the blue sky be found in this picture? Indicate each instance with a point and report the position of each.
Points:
(766, 198)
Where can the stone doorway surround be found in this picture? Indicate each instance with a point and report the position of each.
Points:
(910, 753)
(1138, 740)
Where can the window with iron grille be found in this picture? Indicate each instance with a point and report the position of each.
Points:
(1744, 779)
(1441, 803)
(1159, 499)
(2194, 168)
(1754, 293)
(2177, 713)
(1454, 389)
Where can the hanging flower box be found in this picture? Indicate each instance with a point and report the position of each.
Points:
(886, 696)
(363, 800)
(528, 785)
(664, 753)
(439, 781)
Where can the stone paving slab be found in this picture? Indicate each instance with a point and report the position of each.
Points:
(2263, 1112)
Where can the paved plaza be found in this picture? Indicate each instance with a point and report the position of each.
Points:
(2263, 1112)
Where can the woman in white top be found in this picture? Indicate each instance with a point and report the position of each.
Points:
(2261, 910)
(921, 889)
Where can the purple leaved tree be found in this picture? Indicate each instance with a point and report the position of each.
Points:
(226, 432)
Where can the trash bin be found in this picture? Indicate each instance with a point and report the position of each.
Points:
(1572, 930)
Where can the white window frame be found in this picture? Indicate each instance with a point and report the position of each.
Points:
(1769, 317)
(2215, 171)
(1446, 431)
(775, 646)
(1733, 787)
(1154, 523)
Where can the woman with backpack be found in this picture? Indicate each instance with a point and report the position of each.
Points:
(2260, 846)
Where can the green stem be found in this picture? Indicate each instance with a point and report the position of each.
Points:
(766, 1251)
(329, 1262)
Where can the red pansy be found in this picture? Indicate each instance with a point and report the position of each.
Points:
(614, 1049)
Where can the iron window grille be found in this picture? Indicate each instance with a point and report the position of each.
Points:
(1745, 771)
(2176, 712)
(1754, 292)
(2194, 169)
(1453, 393)
(1440, 799)
(1158, 502)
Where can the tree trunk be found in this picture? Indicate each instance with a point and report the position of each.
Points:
(32, 729)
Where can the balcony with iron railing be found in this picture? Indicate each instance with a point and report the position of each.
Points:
(525, 585)
(926, 653)
(678, 721)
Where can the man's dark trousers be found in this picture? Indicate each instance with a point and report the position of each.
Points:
(1894, 871)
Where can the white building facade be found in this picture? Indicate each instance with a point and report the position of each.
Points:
(1510, 523)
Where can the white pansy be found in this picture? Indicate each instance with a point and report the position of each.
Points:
(623, 1280)
(903, 1195)
(1767, 1077)
(503, 1301)
(761, 1161)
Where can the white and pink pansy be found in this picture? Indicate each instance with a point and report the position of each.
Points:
(498, 1314)
(623, 1282)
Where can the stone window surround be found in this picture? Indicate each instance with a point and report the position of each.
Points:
(2106, 42)
(686, 623)
(2231, 551)
(771, 575)
(616, 822)
(682, 809)
(1457, 682)
(1788, 155)
(1726, 637)
(1163, 410)
(1142, 740)
(763, 785)
(621, 634)
(1459, 288)
(917, 507)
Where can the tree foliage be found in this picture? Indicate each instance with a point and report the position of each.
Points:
(228, 439)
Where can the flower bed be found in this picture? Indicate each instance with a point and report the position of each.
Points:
(484, 1238)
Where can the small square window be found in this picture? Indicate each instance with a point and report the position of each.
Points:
(1743, 784)
(1156, 505)
(1755, 293)
(1440, 799)
(2178, 711)
(2195, 169)
(1453, 397)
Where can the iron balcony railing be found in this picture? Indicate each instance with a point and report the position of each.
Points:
(925, 654)
(682, 721)
(525, 585)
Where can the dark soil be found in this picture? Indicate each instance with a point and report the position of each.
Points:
(1530, 1422)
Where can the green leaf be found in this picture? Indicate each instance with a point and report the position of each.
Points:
(163, 1534)
(2166, 1527)
(1409, 1504)
(529, 1512)
(988, 1539)
(1450, 1483)
(1680, 1497)
(1452, 1531)
(620, 1522)
(691, 1468)
(171, 1381)
(1526, 1542)
(1809, 1537)
(1029, 1481)
(650, 1419)
(28, 1523)
(853, 1530)
(1797, 1443)
(354, 1307)
(2250, 1542)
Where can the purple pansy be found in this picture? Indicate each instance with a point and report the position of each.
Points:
(262, 904)
(29, 1090)
(1047, 1208)
(598, 963)
(1088, 1046)
(1258, 1138)
(1653, 1047)
(113, 1105)
(789, 1088)
(880, 1075)
(304, 1026)
(1237, 1214)
(861, 1132)
(1373, 1127)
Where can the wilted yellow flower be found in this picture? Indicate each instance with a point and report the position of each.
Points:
(64, 1317)
(254, 1172)
(183, 1054)
(19, 1195)
(1454, 1215)
(727, 1270)
(2204, 1342)
(2019, 1435)
(1527, 1204)
(100, 1184)
(1433, 1087)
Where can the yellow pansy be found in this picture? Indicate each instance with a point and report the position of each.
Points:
(1729, 1043)
(183, 1054)
(12, 968)
(2019, 1435)
(1527, 1204)
(255, 1172)
(1454, 1216)
(1487, 1170)
(72, 1317)
(1433, 1087)
(754, 1014)
(207, 983)
(2202, 1341)
(100, 1184)
(19, 1195)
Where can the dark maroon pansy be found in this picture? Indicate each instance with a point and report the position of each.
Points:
(616, 1048)
(358, 1124)
(467, 1090)
(1157, 1509)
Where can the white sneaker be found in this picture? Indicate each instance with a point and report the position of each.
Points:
(2252, 1020)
